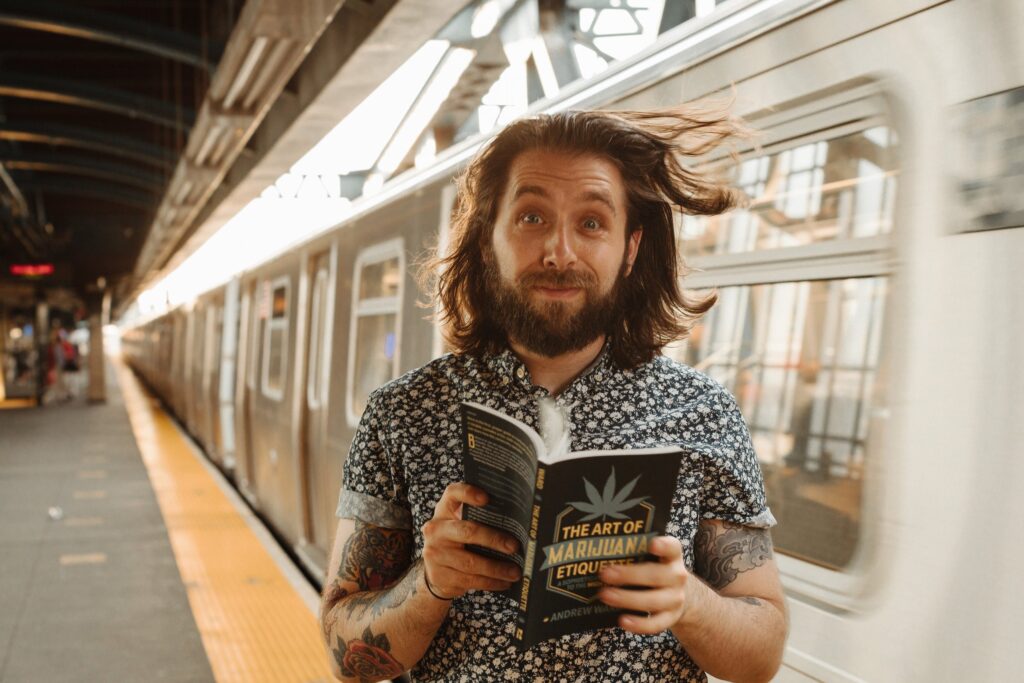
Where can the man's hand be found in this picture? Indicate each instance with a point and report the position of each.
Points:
(665, 597)
(450, 568)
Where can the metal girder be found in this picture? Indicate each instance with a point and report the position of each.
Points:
(556, 30)
(16, 217)
(95, 97)
(89, 24)
(269, 42)
(53, 134)
(115, 194)
(86, 166)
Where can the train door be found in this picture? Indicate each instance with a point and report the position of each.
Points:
(188, 403)
(251, 347)
(211, 379)
(200, 415)
(315, 455)
(229, 356)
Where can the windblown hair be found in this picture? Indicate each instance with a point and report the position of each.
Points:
(649, 149)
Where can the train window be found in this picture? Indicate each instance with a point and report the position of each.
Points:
(315, 384)
(797, 333)
(801, 359)
(376, 323)
(275, 340)
(254, 339)
(210, 357)
(820, 190)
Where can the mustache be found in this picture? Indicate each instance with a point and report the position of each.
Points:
(561, 279)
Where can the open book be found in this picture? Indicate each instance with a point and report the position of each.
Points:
(572, 513)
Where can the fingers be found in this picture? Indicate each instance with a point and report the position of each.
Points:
(661, 592)
(651, 600)
(656, 623)
(454, 496)
(462, 531)
(668, 548)
(452, 568)
(646, 574)
(469, 563)
(455, 571)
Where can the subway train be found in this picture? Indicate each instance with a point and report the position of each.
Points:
(869, 321)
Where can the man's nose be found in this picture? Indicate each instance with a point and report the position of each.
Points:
(560, 247)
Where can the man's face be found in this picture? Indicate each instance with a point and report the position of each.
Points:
(559, 250)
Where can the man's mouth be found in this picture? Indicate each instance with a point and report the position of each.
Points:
(558, 292)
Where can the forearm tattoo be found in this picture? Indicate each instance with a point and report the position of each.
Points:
(367, 658)
(377, 602)
(370, 578)
(375, 557)
(721, 556)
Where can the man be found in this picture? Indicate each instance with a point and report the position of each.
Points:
(562, 281)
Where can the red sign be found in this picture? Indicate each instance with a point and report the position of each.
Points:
(32, 269)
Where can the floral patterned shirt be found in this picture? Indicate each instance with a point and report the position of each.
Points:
(408, 448)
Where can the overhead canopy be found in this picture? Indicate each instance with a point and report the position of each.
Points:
(120, 119)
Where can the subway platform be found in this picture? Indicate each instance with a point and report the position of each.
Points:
(124, 556)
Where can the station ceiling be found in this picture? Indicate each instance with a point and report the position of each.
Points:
(120, 119)
(132, 130)
(97, 99)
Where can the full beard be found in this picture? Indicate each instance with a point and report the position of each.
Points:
(551, 328)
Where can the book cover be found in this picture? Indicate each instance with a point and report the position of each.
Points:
(572, 512)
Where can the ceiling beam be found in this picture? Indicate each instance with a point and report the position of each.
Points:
(107, 192)
(58, 135)
(49, 162)
(73, 92)
(90, 24)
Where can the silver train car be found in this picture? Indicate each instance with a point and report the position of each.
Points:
(869, 323)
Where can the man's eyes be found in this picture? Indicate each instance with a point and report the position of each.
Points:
(590, 224)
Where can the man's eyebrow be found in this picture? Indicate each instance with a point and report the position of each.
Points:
(530, 189)
(590, 195)
(601, 197)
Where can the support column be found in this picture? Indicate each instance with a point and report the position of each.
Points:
(41, 341)
(97, 392)
(3, 351)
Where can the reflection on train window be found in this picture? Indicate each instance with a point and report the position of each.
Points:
(798, 334)
(375, 354)
(379, 280)
(275, 342)
(822, 190)
(374, 332)
(801, 359)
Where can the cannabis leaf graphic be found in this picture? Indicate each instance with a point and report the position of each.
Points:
(609, 503)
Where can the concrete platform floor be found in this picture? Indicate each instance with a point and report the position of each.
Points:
(89, 588)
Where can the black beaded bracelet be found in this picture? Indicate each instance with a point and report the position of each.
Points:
(431, 590)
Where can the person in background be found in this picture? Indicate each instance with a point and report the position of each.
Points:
(57, 390)
(72, 363)
(563, 281)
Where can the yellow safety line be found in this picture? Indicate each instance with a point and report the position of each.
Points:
(16, 403)
(253, 625)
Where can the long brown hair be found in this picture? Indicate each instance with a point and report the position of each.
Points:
(648, 148)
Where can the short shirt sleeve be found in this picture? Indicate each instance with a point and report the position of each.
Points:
(371, 491)
(733, 487)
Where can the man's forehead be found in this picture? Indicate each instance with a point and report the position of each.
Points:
(592, 174)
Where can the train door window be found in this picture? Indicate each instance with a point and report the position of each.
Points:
(209, 349)
(275, 340)
(254, 341)
(376, 323)
(797, 334)
(316, 381)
